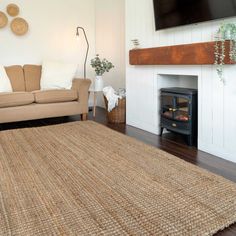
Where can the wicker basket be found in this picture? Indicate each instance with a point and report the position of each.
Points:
(118, 114)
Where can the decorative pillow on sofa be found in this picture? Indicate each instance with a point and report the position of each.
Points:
(5, 83)
(57, 75)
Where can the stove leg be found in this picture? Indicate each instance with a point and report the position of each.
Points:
(190, 140)
(161, 131)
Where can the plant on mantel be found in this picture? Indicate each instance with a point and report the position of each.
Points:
(226, 31)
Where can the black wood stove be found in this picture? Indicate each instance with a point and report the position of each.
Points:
(179, 112)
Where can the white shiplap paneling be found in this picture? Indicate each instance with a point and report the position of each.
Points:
(217, 126)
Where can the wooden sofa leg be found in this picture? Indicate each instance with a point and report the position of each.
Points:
(84, 116)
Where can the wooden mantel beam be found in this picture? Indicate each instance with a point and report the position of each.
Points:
(186, 54)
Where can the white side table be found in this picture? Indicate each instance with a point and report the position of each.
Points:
(95, 93)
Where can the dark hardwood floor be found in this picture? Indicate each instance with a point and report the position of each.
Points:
(171, 143)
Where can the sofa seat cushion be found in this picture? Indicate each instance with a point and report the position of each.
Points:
(55, 95)
(15, 99)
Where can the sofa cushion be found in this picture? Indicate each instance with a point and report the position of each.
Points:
(57, 75)
(32, 75)
(5, 83)
(15, 99)
(16, 76)
(50, 96)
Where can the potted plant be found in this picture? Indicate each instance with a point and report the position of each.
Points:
(226, 31)
(100, 66)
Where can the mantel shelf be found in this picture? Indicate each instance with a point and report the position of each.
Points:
(186, 54)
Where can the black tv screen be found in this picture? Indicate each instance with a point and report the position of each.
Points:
(171, 13)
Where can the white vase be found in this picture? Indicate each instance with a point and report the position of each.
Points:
(98, 83)
(228, 35)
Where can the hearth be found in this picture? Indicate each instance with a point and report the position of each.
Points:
(179, 112)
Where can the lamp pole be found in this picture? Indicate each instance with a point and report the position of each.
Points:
(86, 56)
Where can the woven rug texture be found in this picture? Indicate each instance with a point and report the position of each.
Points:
(82, 178)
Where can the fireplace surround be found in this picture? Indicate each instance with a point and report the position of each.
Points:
(216, 116)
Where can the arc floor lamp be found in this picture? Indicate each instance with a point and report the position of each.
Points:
(86, 56)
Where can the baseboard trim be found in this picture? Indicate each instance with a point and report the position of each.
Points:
(216, 151)
(144, 126)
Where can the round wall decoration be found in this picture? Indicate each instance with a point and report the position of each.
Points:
(13, 10)
(3, 19)
(19, 26)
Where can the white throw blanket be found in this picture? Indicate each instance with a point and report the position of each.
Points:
(111, 97)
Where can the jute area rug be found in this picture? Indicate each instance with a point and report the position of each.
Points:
(82, 178)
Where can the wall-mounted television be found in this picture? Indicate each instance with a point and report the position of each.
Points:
(171, 13)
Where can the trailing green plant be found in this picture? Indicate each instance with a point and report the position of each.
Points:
(226, 31)
(101, 66)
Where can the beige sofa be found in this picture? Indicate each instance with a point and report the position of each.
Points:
(27, 102)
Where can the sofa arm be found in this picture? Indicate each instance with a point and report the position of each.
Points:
(82, 88)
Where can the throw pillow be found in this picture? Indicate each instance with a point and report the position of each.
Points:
(57, 75)
(5, 83)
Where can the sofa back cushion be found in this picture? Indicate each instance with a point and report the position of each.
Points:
(32, 75)
(57, 75)
(16, 76)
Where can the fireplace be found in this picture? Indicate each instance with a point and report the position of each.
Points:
(179, 112)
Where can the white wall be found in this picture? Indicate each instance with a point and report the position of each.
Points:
(217, 126)
(110, 40)
(52, 28)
